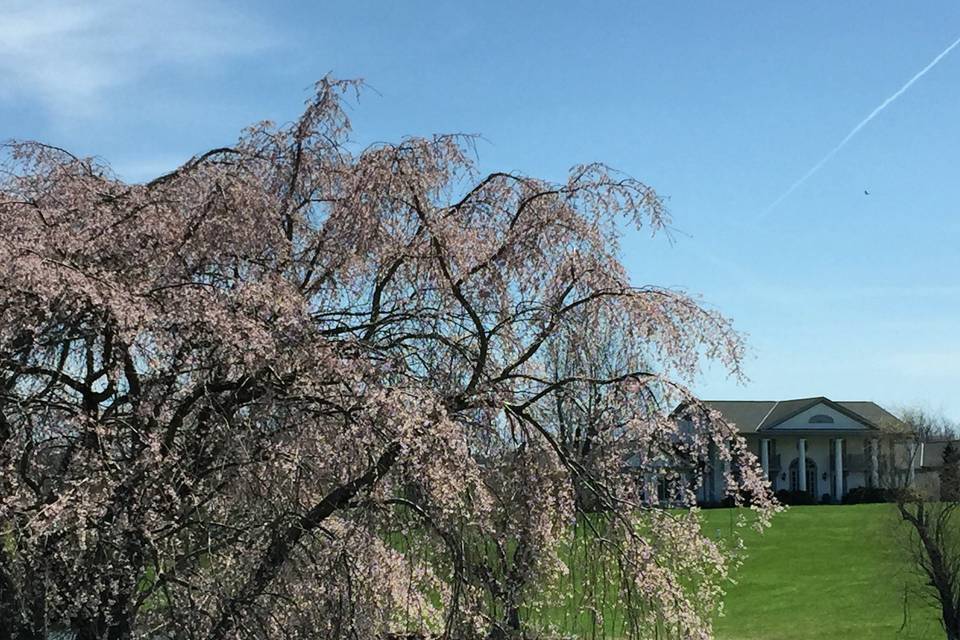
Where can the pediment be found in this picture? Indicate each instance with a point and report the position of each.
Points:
(821, 416)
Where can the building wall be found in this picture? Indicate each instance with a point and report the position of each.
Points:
(819, 449)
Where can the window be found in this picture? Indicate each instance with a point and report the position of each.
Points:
(820, 419)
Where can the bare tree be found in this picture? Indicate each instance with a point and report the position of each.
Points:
(934, 547)
(932, 537)
(929, 425)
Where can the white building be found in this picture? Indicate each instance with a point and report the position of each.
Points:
(844, 445)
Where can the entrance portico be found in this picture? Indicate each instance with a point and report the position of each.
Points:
(829, 467)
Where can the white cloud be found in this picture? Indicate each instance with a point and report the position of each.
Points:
(65, 56)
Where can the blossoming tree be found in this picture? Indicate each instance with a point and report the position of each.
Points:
(299, 389)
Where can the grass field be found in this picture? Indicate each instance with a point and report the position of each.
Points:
(824, 572)
(819, 572)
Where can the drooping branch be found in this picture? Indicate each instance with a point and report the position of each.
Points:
(282, 545)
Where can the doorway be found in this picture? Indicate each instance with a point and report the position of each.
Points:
(811, 476)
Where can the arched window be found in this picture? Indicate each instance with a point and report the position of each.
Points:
(820, 419)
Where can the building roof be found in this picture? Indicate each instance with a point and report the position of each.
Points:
(758, 415)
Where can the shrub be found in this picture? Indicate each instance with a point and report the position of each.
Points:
(794, 497)
(725, 503)
(868, 495)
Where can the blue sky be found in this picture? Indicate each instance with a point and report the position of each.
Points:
(720, 106)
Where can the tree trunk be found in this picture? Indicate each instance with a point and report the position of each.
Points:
(283, 542)
(120, 628)
(937, 565)
(951, 624)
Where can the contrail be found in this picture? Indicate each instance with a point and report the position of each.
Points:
(856, 129)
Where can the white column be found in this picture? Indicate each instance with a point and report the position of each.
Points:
(875, 462)
(802, 464)
(765, 458)
(838, 467)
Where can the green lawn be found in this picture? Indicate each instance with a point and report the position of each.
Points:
(824, 572)
(818, 572)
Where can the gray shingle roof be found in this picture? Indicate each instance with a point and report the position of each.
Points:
(876, 414)
(748, 415)
(756, 415)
